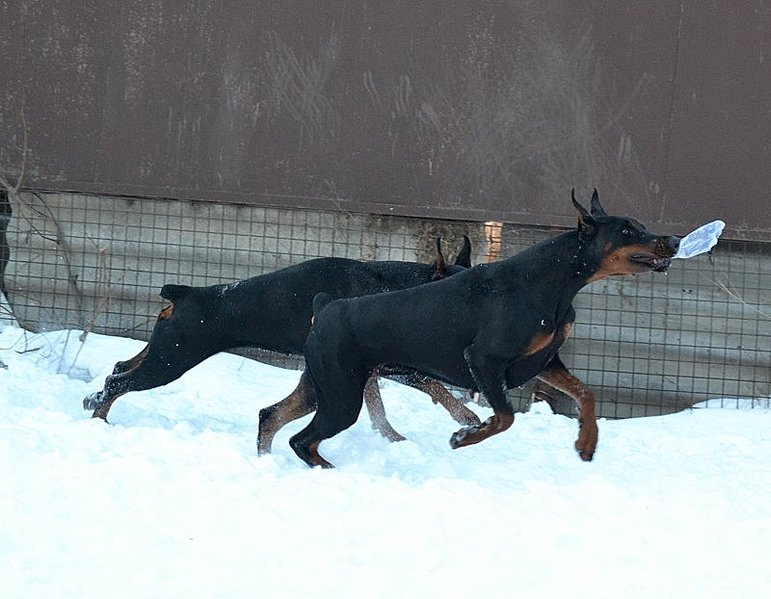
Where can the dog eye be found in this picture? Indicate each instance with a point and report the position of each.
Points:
(627, 232)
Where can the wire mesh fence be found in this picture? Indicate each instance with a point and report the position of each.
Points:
(650, 344)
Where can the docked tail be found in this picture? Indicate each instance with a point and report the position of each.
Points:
(320, 300)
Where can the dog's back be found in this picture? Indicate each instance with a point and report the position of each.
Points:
(273, 311)
(362, 334)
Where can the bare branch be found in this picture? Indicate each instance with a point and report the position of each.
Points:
(25, 133)
(14, 190)
(733, 294)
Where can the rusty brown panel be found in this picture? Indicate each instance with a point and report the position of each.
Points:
(691, 112)
(718, 159)
(53, 73)
(635, 45)
(486, 110)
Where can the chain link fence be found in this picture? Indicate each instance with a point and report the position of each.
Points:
(648, 345)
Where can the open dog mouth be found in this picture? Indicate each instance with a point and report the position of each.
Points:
(655, 263)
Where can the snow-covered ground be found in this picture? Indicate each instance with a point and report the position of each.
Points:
(171, 500)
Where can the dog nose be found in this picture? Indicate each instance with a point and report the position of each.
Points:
(673, 243)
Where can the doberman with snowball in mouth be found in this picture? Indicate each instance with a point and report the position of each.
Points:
(271, 312)
(487, 328)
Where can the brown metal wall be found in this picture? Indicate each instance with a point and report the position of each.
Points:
(479, 110)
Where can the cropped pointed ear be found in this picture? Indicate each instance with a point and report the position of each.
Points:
(597, 209)
(586, 225)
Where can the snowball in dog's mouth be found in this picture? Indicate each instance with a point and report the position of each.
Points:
(700, 240)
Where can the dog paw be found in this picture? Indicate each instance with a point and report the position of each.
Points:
(93, 401)
(458, 438)
(586, 444)
(586, 456)
(264, 444)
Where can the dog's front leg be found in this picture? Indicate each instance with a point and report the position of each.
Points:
(488, 374)
(556, 375)
(469, 435)
(100, 402)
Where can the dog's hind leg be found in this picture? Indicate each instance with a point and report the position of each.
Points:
(306, 445)
(489, 376)
(331, 417)
(302, 401)
(434, 389)
(374, 402)
(460, 413)
(297, 404)
(558, 376)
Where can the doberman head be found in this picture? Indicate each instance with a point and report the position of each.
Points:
(618, 245)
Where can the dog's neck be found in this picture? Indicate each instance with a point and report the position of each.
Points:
(560, 263)
(584, 265)
(563, 259)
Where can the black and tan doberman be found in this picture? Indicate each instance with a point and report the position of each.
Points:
(271, 312)
(487, 328)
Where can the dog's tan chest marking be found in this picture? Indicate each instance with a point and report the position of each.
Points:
(543, 339)
(539, 342)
